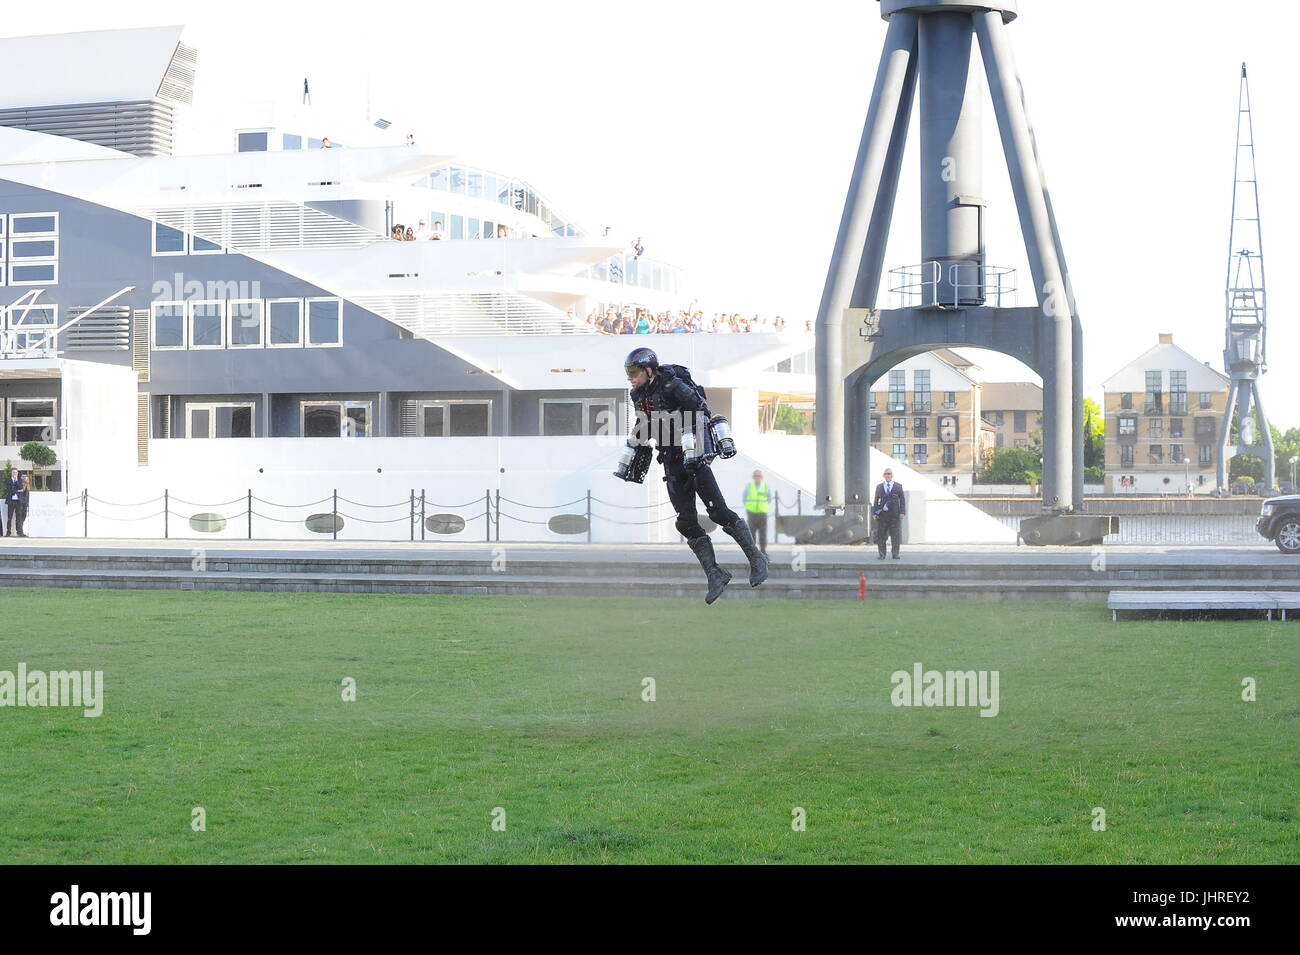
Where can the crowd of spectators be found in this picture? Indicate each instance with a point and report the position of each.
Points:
(640, 321)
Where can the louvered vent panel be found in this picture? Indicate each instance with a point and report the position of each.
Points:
(265, 226)
(178, 82)
(445, 314)
(142, 127)
(106, 329)
(142, 429)
(165, 414)
(409, 420)
(140, 343)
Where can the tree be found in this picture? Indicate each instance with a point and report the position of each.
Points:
(1012, 466)
(788, 420)
(1094, 435)
(39, 455)
(1285, 447)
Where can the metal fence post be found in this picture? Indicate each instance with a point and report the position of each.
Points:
(250, 513)
(166, 513)
(85, 512)
(588, 515)
(412, 520)
(497, 534)
(423, 519)
(334, 524)
(487, 517)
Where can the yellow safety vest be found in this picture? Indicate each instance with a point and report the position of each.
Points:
(756, 498)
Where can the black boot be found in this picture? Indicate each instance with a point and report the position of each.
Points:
(757, 559)
(718, 578)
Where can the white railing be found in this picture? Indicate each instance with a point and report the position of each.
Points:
(924, 285)
(18, 340)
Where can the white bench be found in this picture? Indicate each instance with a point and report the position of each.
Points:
(1266, 600)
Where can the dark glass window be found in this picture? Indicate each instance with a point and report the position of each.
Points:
(167, 239)
(321, 422)
(471, 420)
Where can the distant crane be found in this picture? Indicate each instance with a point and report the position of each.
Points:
(1245, 335)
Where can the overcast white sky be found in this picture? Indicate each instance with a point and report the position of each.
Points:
(723, 133)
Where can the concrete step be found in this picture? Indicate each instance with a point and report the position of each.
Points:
(842, 570)
(920, 586)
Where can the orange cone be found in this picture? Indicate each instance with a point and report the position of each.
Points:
(862, 586)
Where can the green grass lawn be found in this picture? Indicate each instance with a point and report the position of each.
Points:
(233, 702)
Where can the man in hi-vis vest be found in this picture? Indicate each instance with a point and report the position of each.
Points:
(757, 497)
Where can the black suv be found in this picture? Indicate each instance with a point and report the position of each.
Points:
(1279, 521)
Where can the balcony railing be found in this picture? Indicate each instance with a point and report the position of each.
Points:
(921, 406)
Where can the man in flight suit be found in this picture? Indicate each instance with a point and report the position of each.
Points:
(675, 411)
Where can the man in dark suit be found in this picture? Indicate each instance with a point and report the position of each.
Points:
(889, 507)
(13, 502)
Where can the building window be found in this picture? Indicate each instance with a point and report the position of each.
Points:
(1175, 427)
(251, 142)
(997, 418)
(172, 241)
(900, 427)
(324, 322)
(335, 419)
(167, 241)
(871, 402)
(453, 419)
(247, 323)
(897, 391)
(168, 325)
(1021, 442)
(1205, 399)
(997, 440)
(207, 324)
(1205, 430)
(919, 452)
(875, 428)
(1178, 392)
(1205, 455)
(1176, 454)
(949, 400)
(1156, 428)
(1156, 454)
(224, 419)
(950, 455)
(1154, 399)
(1126, 401)
(1127, 425)
(578, 416)
(921, 391)
(920, 427)
(1018, 422)
(1126, 455)
(284, 322)
(900, 452)
(31, 419)
(29, 248)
